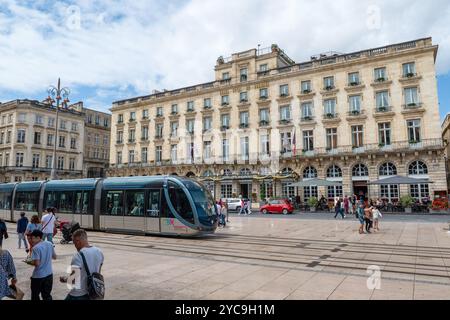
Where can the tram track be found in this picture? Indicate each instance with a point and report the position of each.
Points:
(323, 257)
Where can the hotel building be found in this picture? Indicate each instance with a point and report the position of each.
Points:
(266, 121)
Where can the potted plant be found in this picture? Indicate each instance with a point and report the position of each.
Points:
(306, 91)
(354, 83)
(381, 145)
(355, 112)
(330, 115)
(328, 88)
(381, 79)
(412, 104)
(407, 202)
(382, 109)
(312, 203)
(410, 75)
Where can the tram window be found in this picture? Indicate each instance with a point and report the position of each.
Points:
(5, 200)
(202, 198)
(81, 202)
(51, 201)
(180, 202)
(153, 203)
(65, 202)
(165, 211)
(114, 203)
(135, 203)
(26, 201)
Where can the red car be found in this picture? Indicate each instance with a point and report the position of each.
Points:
(277, 206)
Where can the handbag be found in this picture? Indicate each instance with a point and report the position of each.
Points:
(6, 235)
(95, 282)
(17, 293)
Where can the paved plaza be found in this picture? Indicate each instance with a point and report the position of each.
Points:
(304, 256)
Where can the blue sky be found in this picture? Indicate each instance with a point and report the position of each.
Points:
(111, 50)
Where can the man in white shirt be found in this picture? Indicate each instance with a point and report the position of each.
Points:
(48, 224)
(94, 260)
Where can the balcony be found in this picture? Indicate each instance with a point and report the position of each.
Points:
(144, 138)
(306, 91)
(174, 113)
(410, 78)
(354, 83)
(285, 121)
(244, 100)
(307, 118)
(132, 120)
(284, 94)
(224, 128)
(207, 107)
(131, 140)
(330, 115)
(263, 123)
(225, 104)
(225, 81)
(356, 115)
(329, 88)
(263, 98)
(243, 125)
(413, 108)
(381, 82)
(190, 110)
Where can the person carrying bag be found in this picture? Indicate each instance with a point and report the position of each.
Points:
(95, 282)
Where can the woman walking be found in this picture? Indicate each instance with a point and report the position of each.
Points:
(35, 224)
(360, 215)
(338, 209)
(367, 218)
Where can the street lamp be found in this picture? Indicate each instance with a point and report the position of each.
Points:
(57, 93)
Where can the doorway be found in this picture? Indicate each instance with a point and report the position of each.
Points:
(245, 190)
(360, 189)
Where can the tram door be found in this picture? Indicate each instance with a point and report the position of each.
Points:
(81, 209)
(153, 210)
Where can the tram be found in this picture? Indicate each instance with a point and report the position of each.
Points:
(169, 205)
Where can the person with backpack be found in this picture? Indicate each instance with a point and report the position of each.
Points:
(48, 224)
(22, 224)
(89, 261)
(3, 231)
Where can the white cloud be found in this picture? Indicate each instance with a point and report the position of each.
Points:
(147, 45)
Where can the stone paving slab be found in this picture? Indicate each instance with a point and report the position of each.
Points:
(269, 258)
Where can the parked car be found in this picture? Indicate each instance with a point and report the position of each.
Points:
(277, 206)
(234, 204)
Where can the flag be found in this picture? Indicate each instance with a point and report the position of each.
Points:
(294, 148)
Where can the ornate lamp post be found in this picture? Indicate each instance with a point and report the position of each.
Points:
(57, 93)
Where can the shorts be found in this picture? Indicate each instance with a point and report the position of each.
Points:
(361, 219)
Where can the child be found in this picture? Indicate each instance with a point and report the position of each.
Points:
(376, 215)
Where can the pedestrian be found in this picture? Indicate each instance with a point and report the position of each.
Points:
(41, 258)
(48, 224)
(242, 209)
(376, 216)
(34, 224)
(88, 260)
(248, 206)
(225, 208)
(360, 215)
(8, 272)
(338, 209)
(367, 218)
(22, 224)
(3, 231)
(218, 207)
(224, 213)
(346, 205)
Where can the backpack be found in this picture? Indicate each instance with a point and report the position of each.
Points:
(95, 282)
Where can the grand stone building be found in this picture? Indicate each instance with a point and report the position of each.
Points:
(28, 137)
(97, 142)
(266, 121)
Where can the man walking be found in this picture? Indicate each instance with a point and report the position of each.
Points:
(22, 224)
(48, 224)
(93, 259)
(41, 258)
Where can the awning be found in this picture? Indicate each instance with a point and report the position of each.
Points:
(316, 183)
(399, 180)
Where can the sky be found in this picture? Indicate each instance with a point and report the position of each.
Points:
(106, 51)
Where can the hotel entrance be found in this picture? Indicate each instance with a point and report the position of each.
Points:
(360, 189)
(246, 188)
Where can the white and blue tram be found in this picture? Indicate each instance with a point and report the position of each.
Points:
(145, 205)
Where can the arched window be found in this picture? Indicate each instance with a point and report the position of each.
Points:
(334, 172)
(418, 167)
(208, 173)
(287, 171)
(387, 169)
(227, 172)
(360, 170)
(310, 173)
(245, 172)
